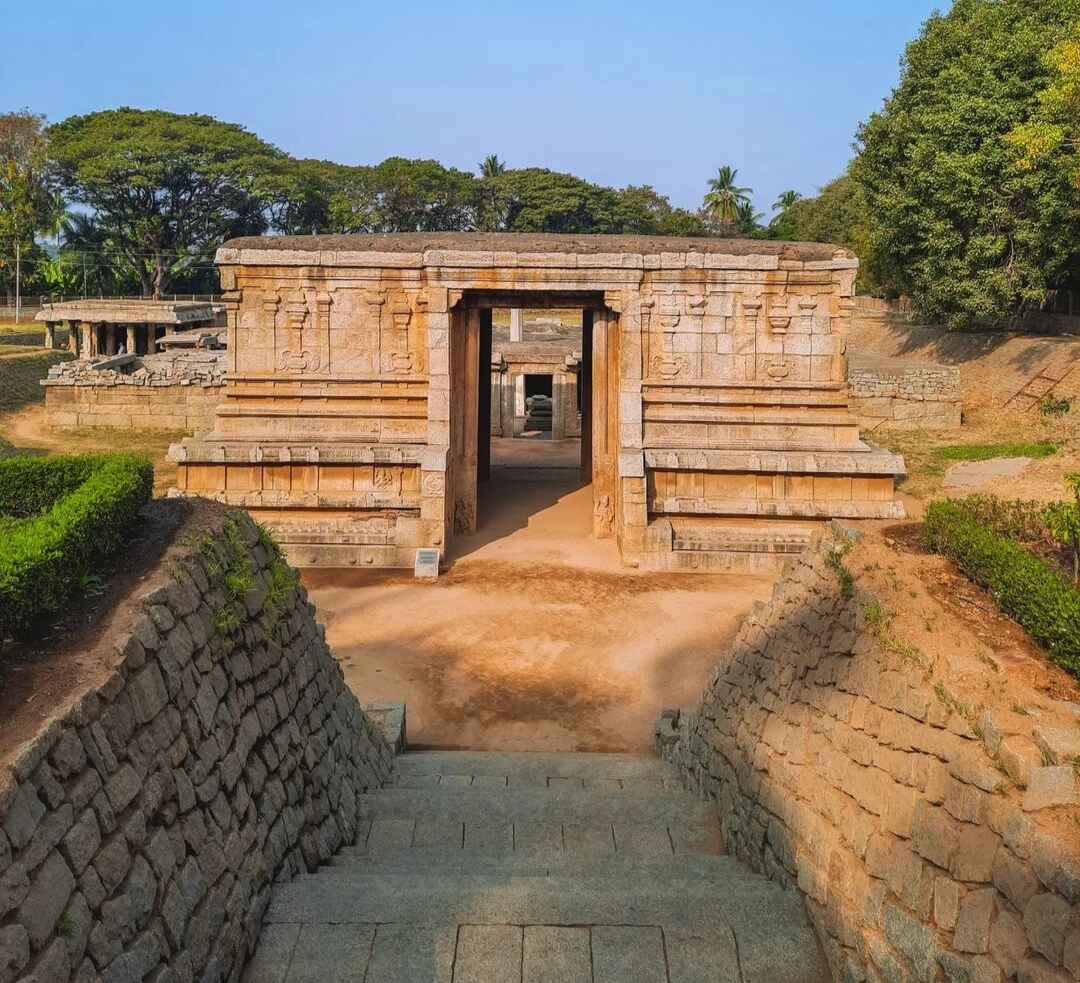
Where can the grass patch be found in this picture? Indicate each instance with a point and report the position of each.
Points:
(64, 515)
(1026, 588)
(835, 559)
(986, 452)
(21, 373)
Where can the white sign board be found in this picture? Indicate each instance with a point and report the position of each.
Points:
(427, 565)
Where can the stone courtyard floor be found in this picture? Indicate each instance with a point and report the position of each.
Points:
(537, 638)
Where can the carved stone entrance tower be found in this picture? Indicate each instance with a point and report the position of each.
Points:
(714, 403)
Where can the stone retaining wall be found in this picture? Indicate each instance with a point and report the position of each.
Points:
(904, 394)
(141, 831)
(174, 392)
(932, 838)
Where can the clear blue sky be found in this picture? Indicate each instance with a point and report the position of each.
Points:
(620, 93)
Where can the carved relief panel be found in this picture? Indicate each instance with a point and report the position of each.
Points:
(376, 332)
(739, 333)
(283, 332)
(255, 326)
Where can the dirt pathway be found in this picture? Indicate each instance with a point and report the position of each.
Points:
(537, 638)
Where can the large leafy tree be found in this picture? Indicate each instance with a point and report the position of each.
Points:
(166, 189)
(645, 211)
(1052, 135)
(539, 200)
(958, 221)
(401, 195)
(26, 205)
(724, 200)
(838, 214)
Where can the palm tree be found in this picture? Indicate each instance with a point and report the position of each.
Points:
(748, 221)
(786, 200)
(724, 198)
(491, 199)
(491, 166)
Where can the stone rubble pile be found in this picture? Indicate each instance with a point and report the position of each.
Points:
(141, 830)
(931, 840)
(192, 368)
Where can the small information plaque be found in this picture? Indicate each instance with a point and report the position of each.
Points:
(427, 565)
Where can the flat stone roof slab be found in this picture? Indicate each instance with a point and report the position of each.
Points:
(127, 311)
(415, 249)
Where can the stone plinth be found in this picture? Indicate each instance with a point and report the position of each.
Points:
(714, 408)
(177, 391)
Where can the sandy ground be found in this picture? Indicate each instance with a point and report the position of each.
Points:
(536, 638)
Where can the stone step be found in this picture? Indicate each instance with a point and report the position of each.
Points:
(565, 804)
(430, 859)
(766, 931)
(402, 953)
(700, 834)
(534, 764)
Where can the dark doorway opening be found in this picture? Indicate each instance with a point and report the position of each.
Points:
(538, 385)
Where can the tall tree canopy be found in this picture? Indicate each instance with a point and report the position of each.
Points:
(1052, 135)
(26, 205)
(165, 189)
(958, 221)
(837, 214)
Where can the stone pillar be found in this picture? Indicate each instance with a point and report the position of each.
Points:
(436, 505)
(516, 322)
(464, 364)
(586, 396)
(558, 405)
(518, 395)
(73, 337)
(111, 333)
(603, 413)
(88, 338)
(483, 426)
(131, 339)
(632, 513)
(50, 334)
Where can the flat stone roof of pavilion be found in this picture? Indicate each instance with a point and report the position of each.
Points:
(133, 311)
(427, 245)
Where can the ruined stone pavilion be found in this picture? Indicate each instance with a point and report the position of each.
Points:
(715, 425)
(107, 327)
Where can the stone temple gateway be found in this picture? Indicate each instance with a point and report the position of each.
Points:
(715, 424)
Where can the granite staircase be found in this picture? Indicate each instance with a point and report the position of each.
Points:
(535, 868)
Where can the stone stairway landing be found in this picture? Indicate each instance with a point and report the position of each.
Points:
(534, 868)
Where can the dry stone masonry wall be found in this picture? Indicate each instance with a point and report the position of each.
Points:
(176, 391)
(932, 840)
(904, 394)
(141, 831)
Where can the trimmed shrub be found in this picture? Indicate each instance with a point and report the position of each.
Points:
(1026, 588)
(70, 513)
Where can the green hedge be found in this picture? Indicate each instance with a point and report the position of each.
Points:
(75, 512)
(1025, 587)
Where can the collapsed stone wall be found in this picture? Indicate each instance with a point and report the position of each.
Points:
(902, 394)
(141, 830)
(175, 391)
(926, 815)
